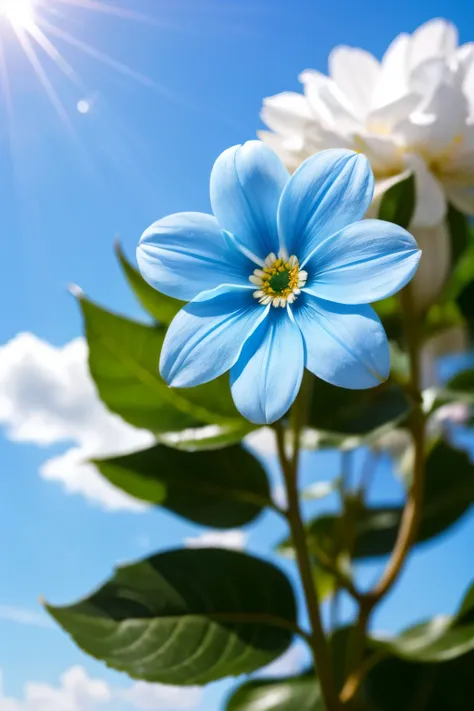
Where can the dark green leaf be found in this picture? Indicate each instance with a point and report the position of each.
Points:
(186, 617)
(458, 226)
(397, 685)
(465, 302)
(355, 412)
(223, 488)
(398, 203)
(449, 494)
(299, 693)
(123, 360)
(461, 387)
(439, 640)
(163, 308)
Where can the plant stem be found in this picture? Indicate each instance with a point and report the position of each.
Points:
(318, 642)
(412, 512)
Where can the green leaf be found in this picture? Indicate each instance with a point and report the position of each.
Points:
(459, 231)
(123, 361)
(398, 203)
(299, 693)
(439, 640)
(163, 308)
(355, 412)
(186, 617)
(460, 387)
(397, 685)
(449, 494)
(223, 488)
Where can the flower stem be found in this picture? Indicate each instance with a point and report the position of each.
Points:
(317, 639)
(413, 507)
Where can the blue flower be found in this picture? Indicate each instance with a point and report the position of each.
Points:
(279, 279)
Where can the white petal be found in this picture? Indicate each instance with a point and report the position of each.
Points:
(286, 112)
(355, 73)
(434, 265)
(430, 199)
(468, 81)
(383, 152)
(289, 153)
(393, 78)
(328, 102)
(386, 117)
(436, 38)
(461, 193)
(442, 121)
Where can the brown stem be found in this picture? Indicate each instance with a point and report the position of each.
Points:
(413, 508)
(317, 638)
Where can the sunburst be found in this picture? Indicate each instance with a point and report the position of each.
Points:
(33, 23)
(20, 13)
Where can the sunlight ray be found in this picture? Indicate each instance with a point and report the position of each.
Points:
(122, 12)
(25, 42)
(53, 52)
(102, 57)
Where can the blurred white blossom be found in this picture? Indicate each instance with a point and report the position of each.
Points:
(411, 112)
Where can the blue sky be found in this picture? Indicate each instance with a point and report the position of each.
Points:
(177, 91)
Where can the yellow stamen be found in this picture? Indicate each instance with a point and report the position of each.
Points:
(280, 281)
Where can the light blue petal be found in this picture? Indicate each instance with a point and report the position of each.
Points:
(246, 185)
(267, 377)
(186, 253)
(329, 191)
(205, 338)
(345, 345)
(364, 262)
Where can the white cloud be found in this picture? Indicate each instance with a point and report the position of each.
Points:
(262, 441)
(76, 692)
(79, 692)
(291, 662)
(153, 697)
(47, 397)
(234, 539)
(22, 616)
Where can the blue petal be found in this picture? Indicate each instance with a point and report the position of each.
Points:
(345, 345)
(329, 191)
(206, 337)
(267, 377)
(246, 185)
(364, 262)
(186, 253)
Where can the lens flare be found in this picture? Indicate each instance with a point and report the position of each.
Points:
(20, 13)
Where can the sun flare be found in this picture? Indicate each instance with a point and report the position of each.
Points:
(21, 13)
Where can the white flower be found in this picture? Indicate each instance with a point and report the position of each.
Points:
(411, 112)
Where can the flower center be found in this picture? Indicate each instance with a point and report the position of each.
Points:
(279, 281)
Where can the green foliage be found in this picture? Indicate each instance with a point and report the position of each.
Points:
(459, 232)
(395, 684)
(460, 387)
(190, 617)
(123, 361)
(186, 617)
(439, 640)
(222, 488)
(299, 693)
(355, 412)
(398, 203)
(163, 308)
(449, 494)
